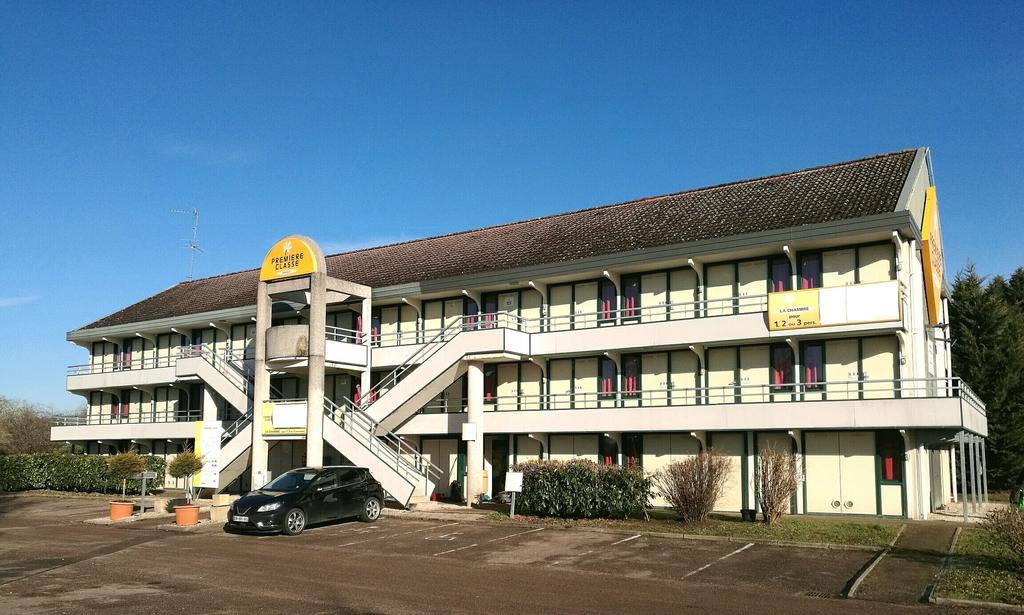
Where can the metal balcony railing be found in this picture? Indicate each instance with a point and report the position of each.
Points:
(903, 388)
(134, 416)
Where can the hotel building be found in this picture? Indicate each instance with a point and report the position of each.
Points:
(804, 311)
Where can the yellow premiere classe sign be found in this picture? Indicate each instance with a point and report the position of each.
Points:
(795, 309)
(931, 254)
(290, 257)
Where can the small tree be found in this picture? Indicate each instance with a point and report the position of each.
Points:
(185, 465)
(693, 485)
(777, 483)
(123, 466)
(1007, 527)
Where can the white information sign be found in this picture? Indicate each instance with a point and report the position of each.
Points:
(209, 446)
(514, 481)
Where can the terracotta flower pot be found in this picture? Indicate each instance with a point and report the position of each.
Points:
(120, 510)
(186, 515)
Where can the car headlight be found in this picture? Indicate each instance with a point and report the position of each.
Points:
(269, 507)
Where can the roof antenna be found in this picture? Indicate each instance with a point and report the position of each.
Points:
(192, 244)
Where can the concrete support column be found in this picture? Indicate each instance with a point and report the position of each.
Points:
(752, 472)
(984, 471)
(209, 405)
(317, 352)
(475, 432)
(261, 388)
(952, 470)
(974, 473)
(366, 378)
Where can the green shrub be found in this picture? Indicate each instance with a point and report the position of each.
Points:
(1007, 528)
(580, 489)
(66, 472)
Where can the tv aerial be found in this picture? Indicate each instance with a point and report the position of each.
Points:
(192, 244)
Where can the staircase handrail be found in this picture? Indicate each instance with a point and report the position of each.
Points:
(349, 418)
(235, 428)
(425, 352)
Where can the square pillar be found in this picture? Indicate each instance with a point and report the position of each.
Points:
(475, 425)
(261, 388)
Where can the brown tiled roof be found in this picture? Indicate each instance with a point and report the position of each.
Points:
(822, 194)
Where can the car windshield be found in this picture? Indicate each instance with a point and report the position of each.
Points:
(290, 481)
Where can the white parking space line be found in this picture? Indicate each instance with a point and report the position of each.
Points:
(726, 556)
(619, 542)
(457, 549)
(422, 529)
(516, 534)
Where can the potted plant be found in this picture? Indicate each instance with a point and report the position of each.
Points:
(123, 466)
(185, 465)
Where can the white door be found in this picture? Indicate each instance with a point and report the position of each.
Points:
(730, 445)
(721, 375)
(752, 285)
(720, 282)
(560, 308)
(654, 379)
(822, 472)
(754, 374)
(878, 365)
(857, 472)
(684, 378)
(683, 293)
(652, 297)
(842, 372)
(508, 386)
(585, 305)
(585, 383)
(560, 384)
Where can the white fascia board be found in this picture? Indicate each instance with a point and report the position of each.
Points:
(202, 320)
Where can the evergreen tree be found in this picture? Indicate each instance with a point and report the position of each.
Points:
(987, 327)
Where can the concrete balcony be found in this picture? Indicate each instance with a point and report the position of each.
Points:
(860, 308)
(919, 404)
(122, 375)
(144, 425)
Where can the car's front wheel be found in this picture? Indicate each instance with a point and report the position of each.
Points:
(371, 510)
(294, 522)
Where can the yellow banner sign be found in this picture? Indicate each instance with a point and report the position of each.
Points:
(931, 253)
(289, 258)
(794, 309)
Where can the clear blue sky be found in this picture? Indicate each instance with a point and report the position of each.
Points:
(360, 124)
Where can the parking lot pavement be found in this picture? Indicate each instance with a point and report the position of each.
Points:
(406, 565)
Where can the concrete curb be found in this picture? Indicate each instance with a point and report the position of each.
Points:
(854, 584)
(1001, 606)
(683, 536)
(929, 594)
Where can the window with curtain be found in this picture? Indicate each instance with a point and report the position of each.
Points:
(890, 451)
(782, 367)
(490, 383)
(631, 296)
(781, 274)
(810, 270)
(490, 309)
(631, 375)
(813, 367)
(607, 382)
(472, 309)
(607, 300)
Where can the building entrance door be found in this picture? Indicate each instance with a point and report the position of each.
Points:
(499, 463)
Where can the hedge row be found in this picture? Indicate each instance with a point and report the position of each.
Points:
(67, 472)
(581, 489)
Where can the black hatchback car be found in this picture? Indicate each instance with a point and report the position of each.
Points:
(304, 496)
